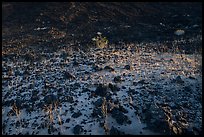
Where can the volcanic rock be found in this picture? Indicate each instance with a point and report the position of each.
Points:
(115, 131)
(178, 80)
(50, 99)
(70, 99)
(117, 79)
(128, 67)
(77, 129)
(142, 82)
(101, 90)
(97, 112)
(77, 114)
(113, 87)
(108, 68)
(99, 102)
(67, 75)
(97, 68)
(119, 116)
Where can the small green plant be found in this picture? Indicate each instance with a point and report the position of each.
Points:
(101, 42)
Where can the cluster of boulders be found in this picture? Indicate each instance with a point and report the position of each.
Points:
(62, 79)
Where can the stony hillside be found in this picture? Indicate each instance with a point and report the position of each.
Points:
(118, 21)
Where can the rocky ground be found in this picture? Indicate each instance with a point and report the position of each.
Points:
(55, 81)
(103, 91)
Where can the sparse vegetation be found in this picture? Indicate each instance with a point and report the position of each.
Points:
(144, 75)
(100, 41)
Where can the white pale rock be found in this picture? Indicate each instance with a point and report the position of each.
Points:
(179, 32)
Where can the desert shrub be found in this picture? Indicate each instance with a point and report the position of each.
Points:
(100, 41)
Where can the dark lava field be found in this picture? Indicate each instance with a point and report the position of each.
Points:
(60, 76)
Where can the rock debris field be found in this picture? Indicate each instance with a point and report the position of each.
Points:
(145, 80)
(117, 91)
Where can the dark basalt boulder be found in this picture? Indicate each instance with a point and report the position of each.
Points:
(115, 131)
(99, 102)
(142, 82)
(178, 80)
(50, 99)
(120, 117)
(117, 79)
(108, 68)
(128, 67)
(67, 75)
(113, 87)
(77, 114)
(96, 68)
(101, 90)
(97, 112)
(77, 129)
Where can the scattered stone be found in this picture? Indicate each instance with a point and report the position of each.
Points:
(71, 109)
(115, 131)
(101, 90)
(97, 68)
(113, 87)
(60, 92)
(117, 79)
(18, 102)
(142, 82)
(85, 90)
(123, 87)
(17, 124)
(77, 129)
(131, 91)
(75, 63)
(87, 72)
(173, 105)
(34, 98)
(99, 102)
(134, 83)
(70, 99)
(67, 120)
(119, 116)
(122, 109)
(128, 67)
(7, 102)
(64, 55)
(26, 72)
(50, 99)
(178, 80)
(109, 96)
(108, 68)
(76, 85)
(77, 114)
(28, 57)
(191, 77)
(18, 73)
(97, 112)
(6, 78)
(67, 75)
(187, 89)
